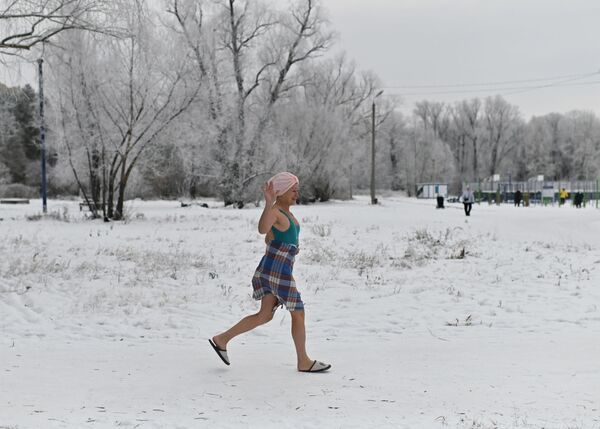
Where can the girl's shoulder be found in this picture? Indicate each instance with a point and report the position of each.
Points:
(280, 215)
(291, 216)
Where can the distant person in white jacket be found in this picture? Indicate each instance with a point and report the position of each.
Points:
(468, 200)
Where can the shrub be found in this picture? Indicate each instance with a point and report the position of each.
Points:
(61, 216)
(18, 190)
(321, 230)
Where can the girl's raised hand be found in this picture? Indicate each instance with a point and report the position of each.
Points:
(269, 194)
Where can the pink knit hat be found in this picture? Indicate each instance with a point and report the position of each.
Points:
(283, 182)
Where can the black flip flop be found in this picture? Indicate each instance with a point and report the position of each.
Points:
(222, 353)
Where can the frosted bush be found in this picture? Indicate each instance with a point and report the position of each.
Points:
(149, 265)
(320, 255)
(59, 215)
(19, 266)
(372, 279)
(361, 260)
(322, 230)
(424, 245)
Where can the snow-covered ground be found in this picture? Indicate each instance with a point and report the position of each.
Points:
(430, 319)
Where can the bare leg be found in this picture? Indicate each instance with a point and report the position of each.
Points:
(248, 323)
(299, 336)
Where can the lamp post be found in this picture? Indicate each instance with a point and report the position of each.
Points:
(373, 199)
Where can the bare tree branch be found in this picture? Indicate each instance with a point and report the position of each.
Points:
(28, 23)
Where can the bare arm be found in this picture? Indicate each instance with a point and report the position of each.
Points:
(267, 220)
(269, 214)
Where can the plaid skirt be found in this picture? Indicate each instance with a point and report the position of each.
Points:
(274, 276)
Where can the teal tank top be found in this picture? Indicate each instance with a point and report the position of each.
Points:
(290, 235)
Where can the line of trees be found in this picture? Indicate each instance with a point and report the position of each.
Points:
(474, 139)
(210, 98)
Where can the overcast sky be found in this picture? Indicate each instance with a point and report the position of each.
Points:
(463, 42)
(445, 42)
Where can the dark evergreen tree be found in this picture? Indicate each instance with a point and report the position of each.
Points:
(28, 130)
(19, 146)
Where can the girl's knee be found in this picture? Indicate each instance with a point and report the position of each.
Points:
(265, 317)
(297, 314)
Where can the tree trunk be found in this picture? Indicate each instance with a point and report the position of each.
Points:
(114, 168)
(122, 184)
(475, 155)
(104, 184)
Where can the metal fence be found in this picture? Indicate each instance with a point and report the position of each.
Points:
(537, 191)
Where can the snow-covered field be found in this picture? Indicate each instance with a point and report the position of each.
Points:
(430, 319)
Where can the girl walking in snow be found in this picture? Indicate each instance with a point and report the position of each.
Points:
(273, 282)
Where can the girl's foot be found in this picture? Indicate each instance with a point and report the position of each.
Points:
(315, 366)
(220, 351)
(218, 342)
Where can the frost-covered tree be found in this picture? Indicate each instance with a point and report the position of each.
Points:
(582, 138)
(536, 153)
(79, 117)
(247, 56)
(560, 146)
(430, 142)
(323, 124)
(502, 126)
(467, 122)
(394, 135)
(122, 98)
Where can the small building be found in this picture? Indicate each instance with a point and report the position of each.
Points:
(432, 190)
